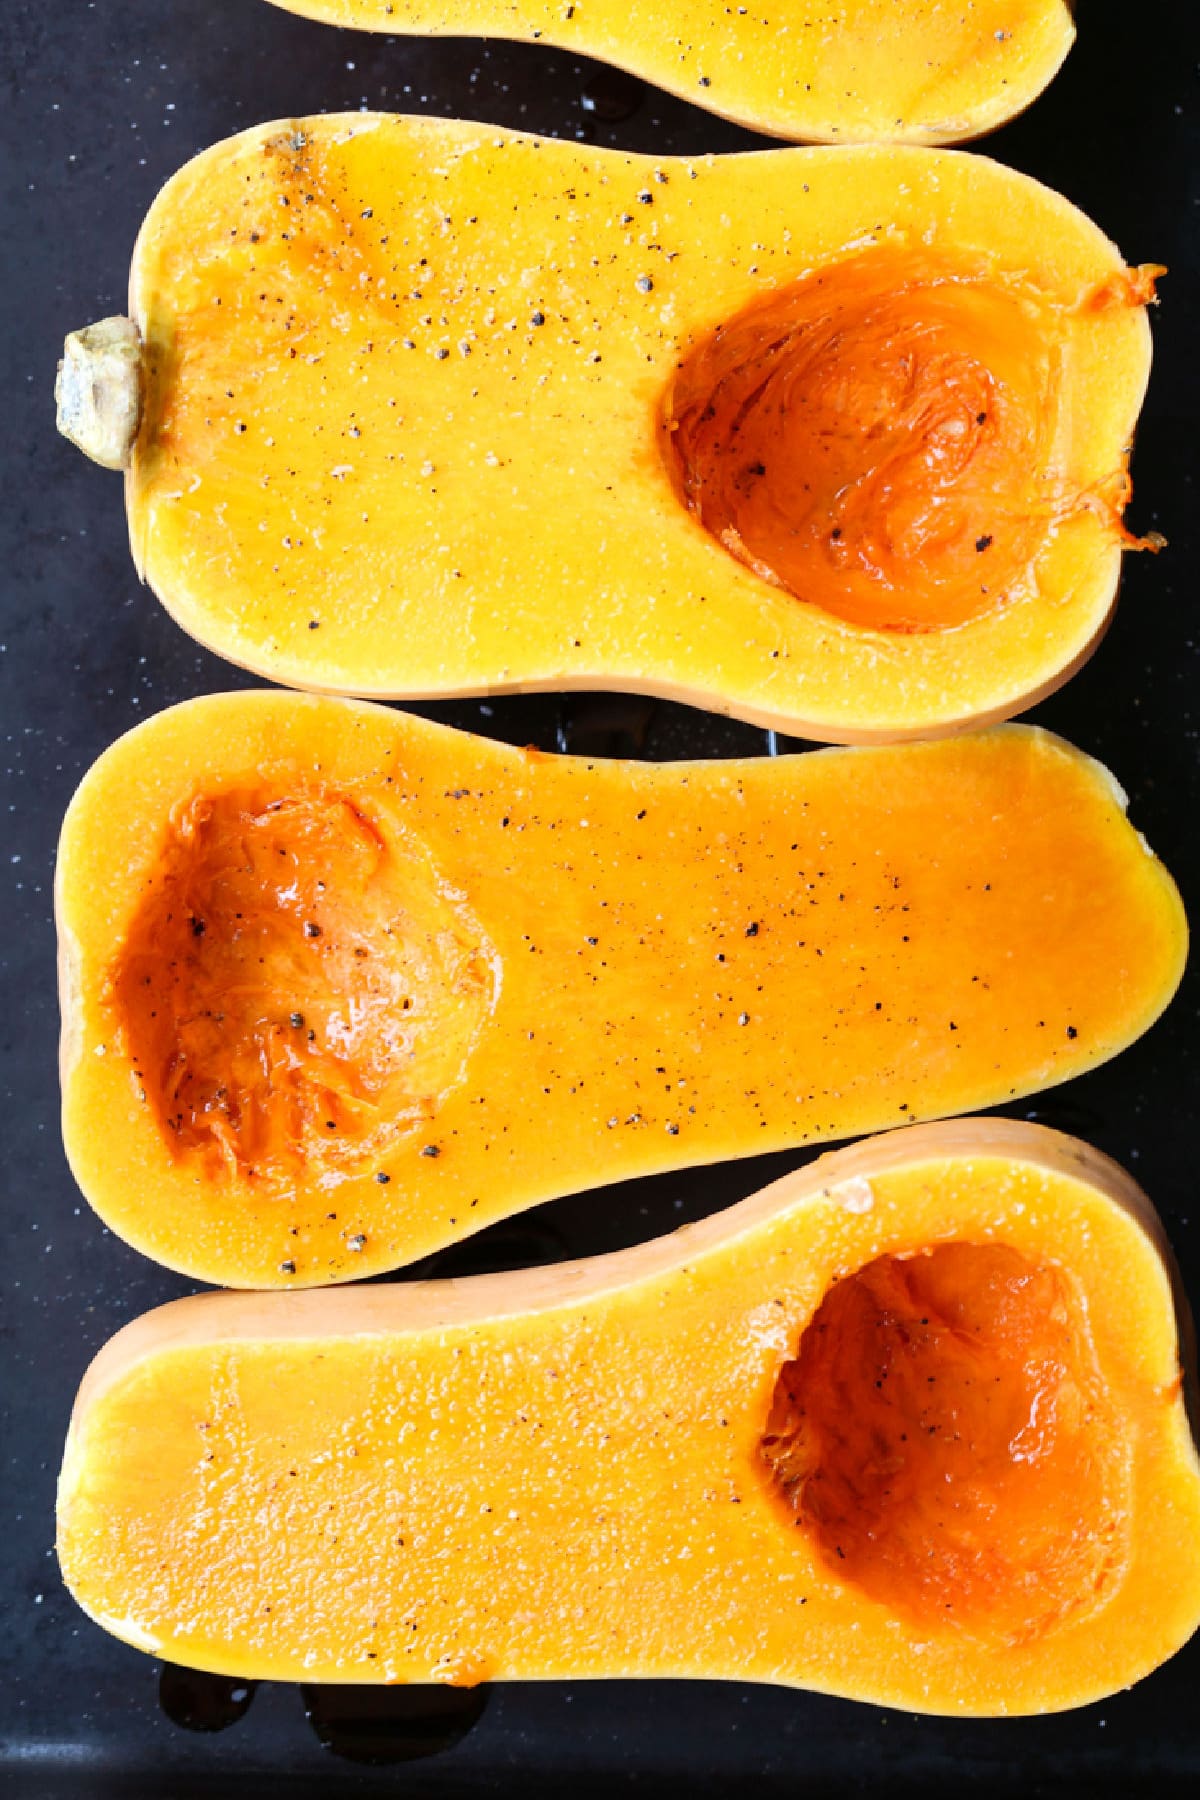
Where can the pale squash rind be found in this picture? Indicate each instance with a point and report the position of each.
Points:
(866, 71)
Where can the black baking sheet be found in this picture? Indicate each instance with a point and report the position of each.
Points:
(103, 102)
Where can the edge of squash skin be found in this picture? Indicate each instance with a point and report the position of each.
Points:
(531, 1292)
(988, 118)
(70, 998)
(819, 732)
(193, 618)
(443, 1304)
(822, 732)
(129, 1230)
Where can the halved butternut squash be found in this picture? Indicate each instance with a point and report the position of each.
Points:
(906, 1426)
(341, 986)
(903, 71)
(834, 440)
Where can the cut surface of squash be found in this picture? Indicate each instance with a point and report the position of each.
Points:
(916, 71)
(340, 986)
(433, 409)
(906, 1426)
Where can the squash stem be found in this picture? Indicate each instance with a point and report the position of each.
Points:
(99, 390)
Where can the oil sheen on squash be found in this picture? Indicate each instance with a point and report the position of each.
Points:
(297, 990)
(405, 392)
(957, 1345)
(839, 71)
(614, 967)
(941, 1434)
(878, 438)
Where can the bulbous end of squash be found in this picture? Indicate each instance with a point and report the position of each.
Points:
(99, 391)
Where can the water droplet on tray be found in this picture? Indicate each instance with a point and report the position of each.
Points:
(604, 724)
(392, 1724)
(201, 1702)
(612, 95)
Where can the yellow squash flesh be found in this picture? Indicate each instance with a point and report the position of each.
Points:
(405, 383)
(341, 986)
(914, 71)
(563, 1473)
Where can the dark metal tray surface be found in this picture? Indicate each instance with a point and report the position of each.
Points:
(104, 101)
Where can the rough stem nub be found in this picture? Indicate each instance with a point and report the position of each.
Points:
(99, 388)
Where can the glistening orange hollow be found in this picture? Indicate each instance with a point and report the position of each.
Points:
(942, 1431)
(881, 438)
(296, 989)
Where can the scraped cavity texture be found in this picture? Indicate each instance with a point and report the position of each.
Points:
(943, 1434)
(878, 438)
(298, 988)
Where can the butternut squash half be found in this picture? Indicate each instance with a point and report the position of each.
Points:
(341, 986)
(835, 440)
(906, 1426)
(912, 71)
